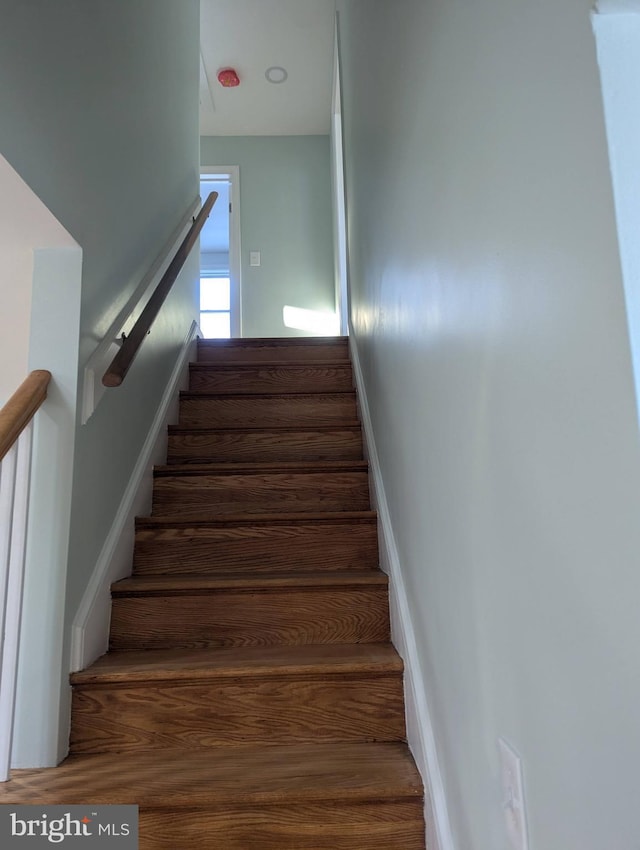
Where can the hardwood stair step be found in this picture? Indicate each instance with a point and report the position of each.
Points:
(270, 377)
(188, 665)
(266, 467)
(127, 702)
(312, 442)
(275, 542)
(296, 797)
(211, 410)
(191, 585)
(193, 611)
(251, 699)
(252, 775)
(274, 349)
(201, 489)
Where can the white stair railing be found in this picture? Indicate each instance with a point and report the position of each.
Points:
(16, 428)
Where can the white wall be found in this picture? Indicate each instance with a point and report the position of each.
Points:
(489, 314)
(25, 224)
(99, 105)
(285, 211)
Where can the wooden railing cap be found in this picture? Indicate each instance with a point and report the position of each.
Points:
(21, 407)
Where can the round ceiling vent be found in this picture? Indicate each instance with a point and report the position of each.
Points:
(276, 74)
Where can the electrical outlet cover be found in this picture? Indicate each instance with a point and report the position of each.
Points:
(513, 796)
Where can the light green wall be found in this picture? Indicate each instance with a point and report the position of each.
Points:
(489, 315)
(285, 208)
(99, 106)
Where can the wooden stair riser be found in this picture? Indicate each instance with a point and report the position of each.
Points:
(302, 797)
(256, 548)
(270, 378)
(267, 618)
(338, 825)
(236, 445)
(273, 351)
(266, 710)
(209, 779)
(290, 492)
(219, 411)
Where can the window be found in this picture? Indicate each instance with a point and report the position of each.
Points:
(215, 307)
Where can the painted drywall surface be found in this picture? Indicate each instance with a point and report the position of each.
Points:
(99, 112)
(490, 317)
(25, 224)
(285, 209)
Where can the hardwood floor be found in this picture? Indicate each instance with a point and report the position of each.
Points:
(251, 699)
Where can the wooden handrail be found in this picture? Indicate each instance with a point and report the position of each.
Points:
(21, 408)
(121, 363)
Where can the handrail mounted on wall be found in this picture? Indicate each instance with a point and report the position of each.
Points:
(121, 363)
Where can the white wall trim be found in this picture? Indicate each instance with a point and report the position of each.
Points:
(420, 734)
(41, 732)
(92, 387)
(90, 630)
(341, 259)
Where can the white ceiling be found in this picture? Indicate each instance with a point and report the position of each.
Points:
(251, 36)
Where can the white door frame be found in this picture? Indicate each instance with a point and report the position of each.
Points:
(339, 198)
(618, 41)
(232, 173)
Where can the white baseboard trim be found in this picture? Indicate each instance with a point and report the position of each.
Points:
(420, 733)
(90, 630)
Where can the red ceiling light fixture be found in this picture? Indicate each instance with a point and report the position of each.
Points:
(228, 78)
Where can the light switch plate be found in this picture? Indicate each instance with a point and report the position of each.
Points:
(254, 258)
(513, 796)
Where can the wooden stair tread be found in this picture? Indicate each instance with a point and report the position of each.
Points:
(230, 365)
(257, 543)
(276, 468)
(186, 395)
(231, 520)
(270, 376)
(248, 341)
(194, 584)
(267, 775)
(312, 399)
(266, 409)
(308, 442)
(288, 342)
(238, 662)
(346, 425)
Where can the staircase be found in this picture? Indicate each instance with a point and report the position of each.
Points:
(251, 698)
